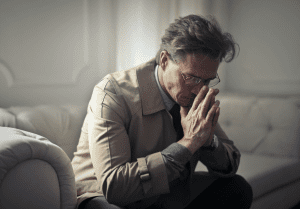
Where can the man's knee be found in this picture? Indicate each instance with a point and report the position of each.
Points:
(241, 189)
(233, 192)
(96, 203)
(243, 184)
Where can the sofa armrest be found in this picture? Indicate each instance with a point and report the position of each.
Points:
(7, 119)
(59, 124)
(30, 184)
(44, 163)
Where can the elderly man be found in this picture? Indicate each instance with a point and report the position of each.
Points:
(146, 129)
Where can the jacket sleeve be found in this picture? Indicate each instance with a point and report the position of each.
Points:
(121, 180)
(224, 160)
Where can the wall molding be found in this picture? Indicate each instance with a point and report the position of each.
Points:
(12, 83)
(8, 75)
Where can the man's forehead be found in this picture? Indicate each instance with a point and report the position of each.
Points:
(200, 64)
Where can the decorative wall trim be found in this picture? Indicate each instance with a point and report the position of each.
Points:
(8, 75)
(86, 39)
(73, 82)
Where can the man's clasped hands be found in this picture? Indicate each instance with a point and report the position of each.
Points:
(199, 121)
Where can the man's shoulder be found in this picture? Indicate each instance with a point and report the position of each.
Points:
(132, 72)
(128, 78)
(127, 86)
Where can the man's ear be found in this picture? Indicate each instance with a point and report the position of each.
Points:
(164, 59)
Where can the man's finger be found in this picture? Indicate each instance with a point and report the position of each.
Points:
(199, 97)
(216, 117)
(204, 107)
(212, 113)
(212, 101)
(214, 123)
(216, 92)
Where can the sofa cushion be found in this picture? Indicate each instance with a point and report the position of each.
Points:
(281, 119)
(264, 173)
(261, 125)
(240, 119)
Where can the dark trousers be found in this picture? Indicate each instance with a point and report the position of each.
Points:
(233, 192)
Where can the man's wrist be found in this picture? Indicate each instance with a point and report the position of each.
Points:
(188, 144)
(214, 144)
(192, 146)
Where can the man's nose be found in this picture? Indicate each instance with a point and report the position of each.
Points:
(195, 90)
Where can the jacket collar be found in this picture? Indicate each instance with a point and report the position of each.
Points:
(151, 98)
(167, 101)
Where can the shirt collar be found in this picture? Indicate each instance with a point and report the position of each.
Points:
(167, 101)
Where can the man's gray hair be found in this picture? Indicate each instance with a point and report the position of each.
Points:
(194, 34)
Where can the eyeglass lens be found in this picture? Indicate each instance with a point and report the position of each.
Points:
(210, 83)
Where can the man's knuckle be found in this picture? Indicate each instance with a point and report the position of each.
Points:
(205, 106)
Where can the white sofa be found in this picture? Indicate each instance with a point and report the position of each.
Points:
(35, 169)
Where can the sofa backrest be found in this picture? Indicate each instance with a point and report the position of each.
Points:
(267, 126)
(59, 124)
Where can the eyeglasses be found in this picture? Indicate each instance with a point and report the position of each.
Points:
(193, 81)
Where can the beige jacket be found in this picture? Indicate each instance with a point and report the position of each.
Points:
(124, 132)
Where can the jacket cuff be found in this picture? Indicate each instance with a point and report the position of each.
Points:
(218, 162)
(175, 157)
(153, 175)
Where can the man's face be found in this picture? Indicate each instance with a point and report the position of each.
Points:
(172, 82)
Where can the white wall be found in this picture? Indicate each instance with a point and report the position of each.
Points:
(268, 34)
(53, 51)
(137, 36)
